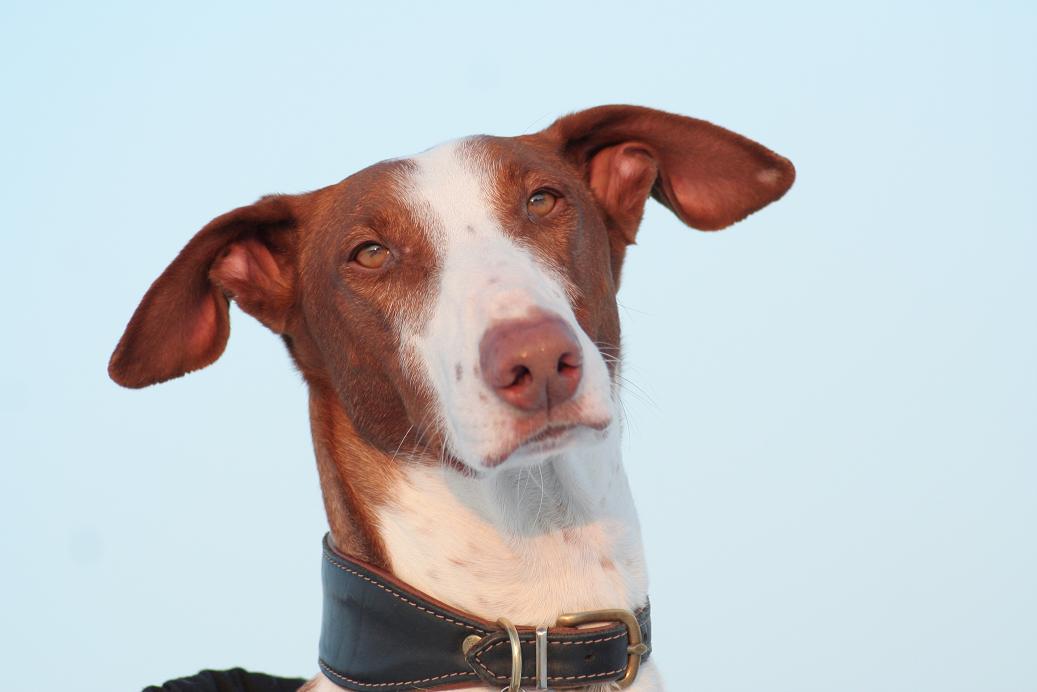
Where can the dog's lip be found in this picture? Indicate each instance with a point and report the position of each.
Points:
(548, 433)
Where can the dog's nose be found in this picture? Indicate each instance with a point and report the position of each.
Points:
(532, 364)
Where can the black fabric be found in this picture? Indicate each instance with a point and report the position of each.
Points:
(233, 680)
(379, 634)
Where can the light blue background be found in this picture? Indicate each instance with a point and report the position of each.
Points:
(832, 440)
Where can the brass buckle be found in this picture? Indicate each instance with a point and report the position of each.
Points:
(636, 648)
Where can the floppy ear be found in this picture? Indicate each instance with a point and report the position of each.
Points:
(708, 176)
(182, 323)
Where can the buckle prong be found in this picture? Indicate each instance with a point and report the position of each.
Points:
(541, 674)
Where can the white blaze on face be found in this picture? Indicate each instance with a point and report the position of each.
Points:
(485, 278)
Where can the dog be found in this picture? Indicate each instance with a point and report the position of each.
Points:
(454, 316)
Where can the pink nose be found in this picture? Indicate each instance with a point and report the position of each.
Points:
(532, 364)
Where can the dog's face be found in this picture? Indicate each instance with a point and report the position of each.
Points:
(460, 303)
(472, 256)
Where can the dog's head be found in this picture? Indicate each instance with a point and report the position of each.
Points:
(464, 297)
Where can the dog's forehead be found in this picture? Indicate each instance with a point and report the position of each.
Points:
(449, 186)
(456, 190)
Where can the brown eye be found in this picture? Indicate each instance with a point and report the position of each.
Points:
(541, 203)
(371, 255)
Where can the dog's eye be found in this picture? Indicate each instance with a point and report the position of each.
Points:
(541, 203)
(371, 255)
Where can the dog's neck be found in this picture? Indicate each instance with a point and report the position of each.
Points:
(527, 544)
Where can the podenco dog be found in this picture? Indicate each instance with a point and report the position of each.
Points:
(454, 316)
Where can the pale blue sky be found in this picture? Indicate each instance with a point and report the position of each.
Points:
(832, 445)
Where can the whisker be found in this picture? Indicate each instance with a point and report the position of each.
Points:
(540, 506)
(630, 309)
(627, 385)
(399, 446)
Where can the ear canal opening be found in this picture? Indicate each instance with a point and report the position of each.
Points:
(249, 272)
(621, 177)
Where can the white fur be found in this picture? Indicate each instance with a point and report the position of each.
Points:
(526, 543)
(485, 277)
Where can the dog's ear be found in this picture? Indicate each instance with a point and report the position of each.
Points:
(708, 176)
(182, 324)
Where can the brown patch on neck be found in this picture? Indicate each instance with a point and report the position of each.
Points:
(354, 478)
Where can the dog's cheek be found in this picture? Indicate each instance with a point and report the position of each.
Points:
(375, 407)
(390, 403)
(341, 353)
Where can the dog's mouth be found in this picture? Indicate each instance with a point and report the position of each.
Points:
(548, 438)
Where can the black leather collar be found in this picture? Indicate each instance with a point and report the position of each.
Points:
(378, 633)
